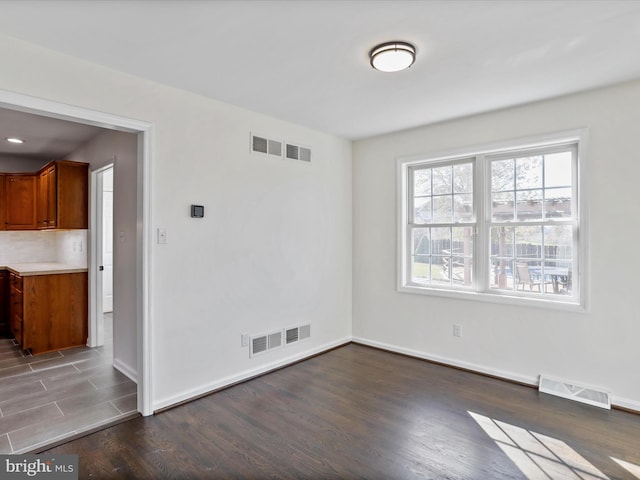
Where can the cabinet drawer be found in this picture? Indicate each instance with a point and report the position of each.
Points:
(16, 282)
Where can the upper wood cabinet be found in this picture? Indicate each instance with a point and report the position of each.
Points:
(69, 195)
(57, 196)
(46, 198)
(20, 194)
(3, 203)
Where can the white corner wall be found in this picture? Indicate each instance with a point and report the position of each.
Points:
(599, 347)
(121, 149)
(273, 250)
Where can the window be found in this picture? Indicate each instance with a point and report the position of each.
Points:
(503, 223)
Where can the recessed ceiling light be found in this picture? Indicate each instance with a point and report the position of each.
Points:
(15, 140)
(392, 56)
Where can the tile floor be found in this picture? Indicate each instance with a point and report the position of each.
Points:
(48, 397)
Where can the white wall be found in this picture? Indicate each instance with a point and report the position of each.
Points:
(274, 248)
(599, 347)
(121, 149)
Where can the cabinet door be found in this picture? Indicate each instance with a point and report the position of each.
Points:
(47, 195)
(3, 203)
(52, 197)
(72, 181)
(42, 199)
(20, 193)
(16, 308)
(4, 302)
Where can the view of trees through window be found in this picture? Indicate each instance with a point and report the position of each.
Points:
(528, 229)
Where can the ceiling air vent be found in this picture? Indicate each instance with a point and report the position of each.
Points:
(264, 145)
(265, 342)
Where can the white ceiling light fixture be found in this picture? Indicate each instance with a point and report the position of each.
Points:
(392, 56)
(15, 140)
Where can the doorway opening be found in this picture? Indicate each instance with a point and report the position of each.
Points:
(101, 315)
(141, 237)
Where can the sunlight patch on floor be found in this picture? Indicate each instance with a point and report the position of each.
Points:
(632, 468)
(538, 456)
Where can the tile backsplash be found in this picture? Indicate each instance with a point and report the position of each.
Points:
(66, 246)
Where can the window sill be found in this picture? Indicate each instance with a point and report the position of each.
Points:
(571, 305)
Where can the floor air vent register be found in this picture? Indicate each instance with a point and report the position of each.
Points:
(595, 396)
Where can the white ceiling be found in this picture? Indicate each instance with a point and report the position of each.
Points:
(45, 138)
(307, 61)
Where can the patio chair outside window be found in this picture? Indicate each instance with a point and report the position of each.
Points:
(526, 278)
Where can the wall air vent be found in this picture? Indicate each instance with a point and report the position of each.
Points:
(265, 342)
(267, 146)
(295, 334)
(296, 152)
(595, 396)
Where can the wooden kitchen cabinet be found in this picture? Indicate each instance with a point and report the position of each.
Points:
(20, 205)
(63, 195)
(16, 304)
(4, 303)
(49, 312)
(3, 203)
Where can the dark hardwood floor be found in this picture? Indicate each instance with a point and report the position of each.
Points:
(48, 397)
(358, 412)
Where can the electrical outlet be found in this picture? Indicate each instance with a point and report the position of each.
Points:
(457, 330)
(244, 340)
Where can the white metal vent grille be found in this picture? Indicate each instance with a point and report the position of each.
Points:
(295, 334)
(292, 335)
(595, 396)
(264, 145)
(275, 148)
(292, 151)
(296, 152)
(305, 154)
(264, 343)
(275, 340)
(258, 345)
(259, 144)
(267, 146)
(304, 331)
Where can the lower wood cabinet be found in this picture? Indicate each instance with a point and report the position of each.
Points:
(4, 303)
(49, 312)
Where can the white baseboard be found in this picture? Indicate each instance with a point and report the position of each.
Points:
(625, 403)
(247, 374)
(507, 375)
(126, 370)
(516, 377)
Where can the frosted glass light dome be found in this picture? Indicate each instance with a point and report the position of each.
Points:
(392, 56)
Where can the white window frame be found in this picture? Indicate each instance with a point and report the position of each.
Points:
(480, 290)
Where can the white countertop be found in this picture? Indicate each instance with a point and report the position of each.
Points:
(42, 268)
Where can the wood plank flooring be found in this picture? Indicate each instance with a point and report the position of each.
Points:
(358, 412)
(48, 397)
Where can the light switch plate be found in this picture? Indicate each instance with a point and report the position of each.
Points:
(162, 236)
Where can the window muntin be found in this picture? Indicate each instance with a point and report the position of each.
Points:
(441, 201)
(532, 227)
(524, 241)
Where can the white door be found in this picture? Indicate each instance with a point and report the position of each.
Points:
(107, 240)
